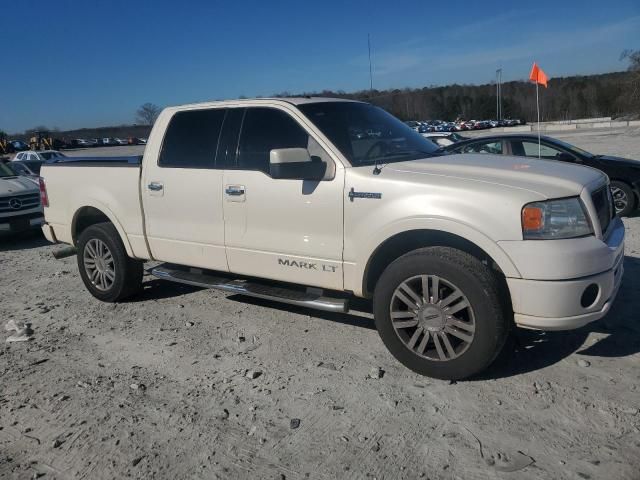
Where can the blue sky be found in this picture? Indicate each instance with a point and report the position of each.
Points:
(88, 63)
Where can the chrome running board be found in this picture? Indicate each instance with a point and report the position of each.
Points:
(312, 298)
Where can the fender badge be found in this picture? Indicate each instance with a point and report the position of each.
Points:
(353, 194)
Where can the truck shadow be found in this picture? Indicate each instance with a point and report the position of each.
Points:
(532, 350)
(22, 241)
(363, 318)
(617, 335)
(156, 289)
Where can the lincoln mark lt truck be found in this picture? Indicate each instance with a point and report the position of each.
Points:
(312, 201)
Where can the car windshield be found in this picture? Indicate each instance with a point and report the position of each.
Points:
(33, 165)
(21, 168)
(47, 155)
(5, 171)
(366, 134)
(573, 148)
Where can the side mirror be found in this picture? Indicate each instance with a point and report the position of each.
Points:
(295, 164)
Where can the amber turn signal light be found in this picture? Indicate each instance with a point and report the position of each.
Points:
(532, 219)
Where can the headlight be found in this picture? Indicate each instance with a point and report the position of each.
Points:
(555, 219)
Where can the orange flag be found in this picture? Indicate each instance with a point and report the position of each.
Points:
(537, 75)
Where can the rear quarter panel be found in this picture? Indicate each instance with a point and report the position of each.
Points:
(114, 190)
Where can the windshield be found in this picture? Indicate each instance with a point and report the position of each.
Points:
(5, 171)
(573, 148)
(47, 155)
(365, 134)
(33, 165)
(18, 168)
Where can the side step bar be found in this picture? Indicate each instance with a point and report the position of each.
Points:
(310, 299)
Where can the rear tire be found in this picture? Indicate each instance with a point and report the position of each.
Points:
(623, 198)
(107, 271)
(455, 328)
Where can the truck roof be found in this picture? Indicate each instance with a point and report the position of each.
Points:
(253, 101)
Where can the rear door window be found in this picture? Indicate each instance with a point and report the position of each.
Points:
(192, 138)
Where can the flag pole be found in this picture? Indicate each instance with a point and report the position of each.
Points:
(538, 108)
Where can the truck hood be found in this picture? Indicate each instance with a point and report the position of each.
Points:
(548, 178)
(16, 186)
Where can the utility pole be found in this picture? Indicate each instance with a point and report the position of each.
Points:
(370, 70)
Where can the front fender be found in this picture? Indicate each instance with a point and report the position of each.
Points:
(355, 271)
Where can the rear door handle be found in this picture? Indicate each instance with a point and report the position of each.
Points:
(234, 190)
(155, 186)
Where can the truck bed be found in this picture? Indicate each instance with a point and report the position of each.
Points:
(108, 184)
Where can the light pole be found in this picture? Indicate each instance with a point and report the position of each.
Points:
(370, 71)
(499, 94)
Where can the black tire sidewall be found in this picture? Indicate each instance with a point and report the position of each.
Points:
(109, 235)
(631, 198)
(482, 295)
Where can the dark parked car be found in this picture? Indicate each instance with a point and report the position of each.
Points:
(20, 168)
(19, 145)
(624, 173)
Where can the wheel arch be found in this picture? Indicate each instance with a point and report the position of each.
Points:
(401, 243)
(88, 215)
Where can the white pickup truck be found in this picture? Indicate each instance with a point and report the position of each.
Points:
(312, 201)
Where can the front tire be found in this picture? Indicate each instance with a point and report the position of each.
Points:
(440, 313)
(624, 199)
(107, 271)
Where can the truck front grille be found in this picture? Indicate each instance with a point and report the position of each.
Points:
(603, 202)
(17, 203)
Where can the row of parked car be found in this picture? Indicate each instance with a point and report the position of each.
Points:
(427, 126)
(105, 142)
(13, 146)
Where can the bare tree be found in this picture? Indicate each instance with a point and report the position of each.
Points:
(633, 56)
(634, 59)
(147, 113)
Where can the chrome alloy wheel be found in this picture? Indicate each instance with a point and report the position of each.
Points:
(620, 200)
(99, 264)
(432, 317)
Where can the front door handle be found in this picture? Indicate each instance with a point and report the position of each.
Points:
(155, 186)
(234, 190)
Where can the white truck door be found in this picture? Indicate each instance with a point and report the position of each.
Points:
(182, 191)
(289, 230)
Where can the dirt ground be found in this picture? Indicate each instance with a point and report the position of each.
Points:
(162, 387)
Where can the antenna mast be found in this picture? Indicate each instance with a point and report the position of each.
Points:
(370, 70)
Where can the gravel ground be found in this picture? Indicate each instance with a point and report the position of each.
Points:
(188, 383)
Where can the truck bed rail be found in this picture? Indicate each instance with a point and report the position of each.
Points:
(130, 161)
